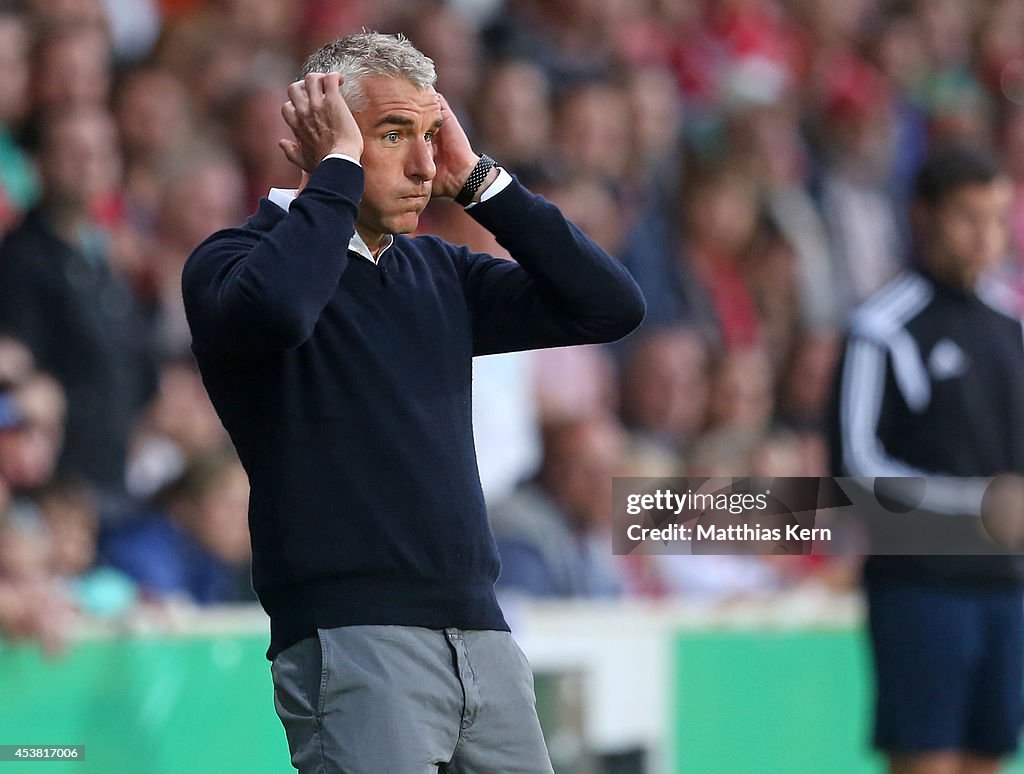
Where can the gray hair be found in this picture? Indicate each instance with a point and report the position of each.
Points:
(369, 53)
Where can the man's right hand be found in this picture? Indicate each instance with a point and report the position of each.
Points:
(320, 120)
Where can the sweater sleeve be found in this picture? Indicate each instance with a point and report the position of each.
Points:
(248, 290)
(561, 290)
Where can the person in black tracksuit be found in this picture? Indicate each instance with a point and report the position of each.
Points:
(932, 384)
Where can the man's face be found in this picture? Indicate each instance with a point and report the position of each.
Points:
(398, 125)
(971, 228)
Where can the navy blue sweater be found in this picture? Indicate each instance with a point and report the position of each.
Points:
(346, 385)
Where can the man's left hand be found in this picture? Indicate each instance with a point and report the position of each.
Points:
(453, 156)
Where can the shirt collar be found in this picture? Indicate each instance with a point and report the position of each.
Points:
(283, 198)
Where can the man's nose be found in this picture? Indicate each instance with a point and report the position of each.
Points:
(421, 161)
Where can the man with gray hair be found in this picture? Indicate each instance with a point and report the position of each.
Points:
(338, 354)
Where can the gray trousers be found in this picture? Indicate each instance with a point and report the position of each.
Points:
(408, 700)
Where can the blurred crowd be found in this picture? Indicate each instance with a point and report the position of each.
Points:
(749, 161)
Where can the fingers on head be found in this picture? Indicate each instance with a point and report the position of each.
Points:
(298, 95)
(314, 83)
(290, 114)
(332, 86)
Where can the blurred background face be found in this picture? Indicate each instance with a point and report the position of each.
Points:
(152, 113)
(665, 387)
(723, 213)
(593, 132)
(450, 39)
(656, 115)
(900, 51)
(580, 460)
(72, 68)
(742, 391)
(16, 362)
(80, 158)
(28, 452)
(970, 230)
(257, 128)
(73, 524)
(13, 69)
(28, 455)
(514, 115)
(268, 23)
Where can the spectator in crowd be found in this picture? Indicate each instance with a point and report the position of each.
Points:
(32, 420)
(152, 112)
(68, 512)
(932, 384)
(16, 363)
(769, 268)
(722, 211)
(60, 296)
(33, 605)
(72, 68)
(665, 388)
(766, 136)
(201, 192)
(592, 139)
(195, 545)
(856, 199)
(742, 392)
(255, 125)
(514, 113)
(554, 532)
(656, 132)
(179, 427)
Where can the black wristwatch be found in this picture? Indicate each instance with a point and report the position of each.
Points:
(475, 180)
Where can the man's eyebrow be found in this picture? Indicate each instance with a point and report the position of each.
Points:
(395, 120)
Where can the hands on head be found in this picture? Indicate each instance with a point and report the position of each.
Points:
(322, 123)
(454, 156)
(320, 120)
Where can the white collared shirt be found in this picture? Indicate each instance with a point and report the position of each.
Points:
(283, 198)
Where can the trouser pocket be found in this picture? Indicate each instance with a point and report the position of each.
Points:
(325, 671)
